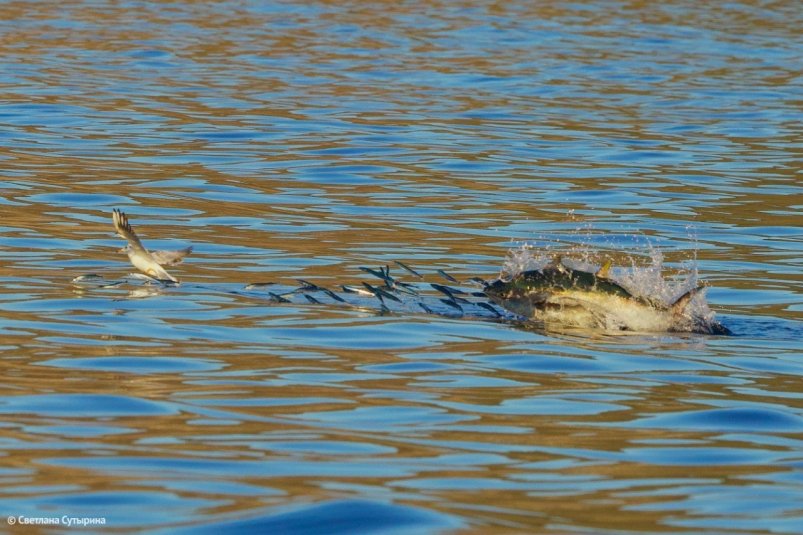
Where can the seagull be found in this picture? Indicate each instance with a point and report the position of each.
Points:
(147, 262)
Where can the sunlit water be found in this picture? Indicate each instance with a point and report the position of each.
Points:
(301, 141)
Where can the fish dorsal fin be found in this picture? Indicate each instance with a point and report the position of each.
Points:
(605, 270)
(682, 302)
(557, 263)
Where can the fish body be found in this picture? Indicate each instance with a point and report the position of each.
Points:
(557, 295)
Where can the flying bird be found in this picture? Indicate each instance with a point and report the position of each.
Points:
(148, 262)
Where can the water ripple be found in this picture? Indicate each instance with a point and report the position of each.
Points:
(289, 141)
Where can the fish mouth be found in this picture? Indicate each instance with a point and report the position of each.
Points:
(497, 289)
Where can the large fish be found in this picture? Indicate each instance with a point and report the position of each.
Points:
(559, 296)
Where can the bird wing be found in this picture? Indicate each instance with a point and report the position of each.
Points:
(123, 228)
(169, 258)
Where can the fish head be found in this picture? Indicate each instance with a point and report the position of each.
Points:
(521, 284)
(500, 290)
(522, 294)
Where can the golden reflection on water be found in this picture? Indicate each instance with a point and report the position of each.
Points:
(288, 142)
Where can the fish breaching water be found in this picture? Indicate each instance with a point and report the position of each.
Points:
(557, 295)
(534, 291)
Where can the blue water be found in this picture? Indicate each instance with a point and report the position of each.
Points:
(289, 141)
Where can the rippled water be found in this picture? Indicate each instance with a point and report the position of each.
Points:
(304, 140)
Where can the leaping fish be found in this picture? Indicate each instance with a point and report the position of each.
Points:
(148, 262)
(559, 295)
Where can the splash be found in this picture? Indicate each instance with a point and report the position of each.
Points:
(660, 299)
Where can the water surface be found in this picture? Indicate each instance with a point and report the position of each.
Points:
(304, 140)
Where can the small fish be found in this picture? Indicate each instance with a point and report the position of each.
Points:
(448, 277)
(405, 288)
(142, 277)
(379, 274)
(408, 269)
(379, 292)
(452, 303)
(389, 295)
(357, 290)
(89, 277)
(257, 285)
(93, 279)
(425, 308)
(333, 295)
(451, 293)
(307, 286)
(448, 290)
(144, 292)
(277, 298)
(490, 308)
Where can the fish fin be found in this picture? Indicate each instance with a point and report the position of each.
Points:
(605, 270)
(556, 264)
(680, 304)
